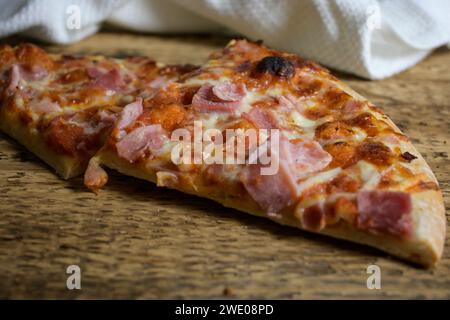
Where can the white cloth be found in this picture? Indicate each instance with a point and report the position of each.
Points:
(369, 38)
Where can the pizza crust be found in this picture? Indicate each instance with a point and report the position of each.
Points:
(424, 247)
(65, 166)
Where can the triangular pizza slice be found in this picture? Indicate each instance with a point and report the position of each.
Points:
(61, 107)
(277, 136)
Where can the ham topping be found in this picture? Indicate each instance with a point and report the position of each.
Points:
(110, 80)
(307, 156)
(14, 79)
(275, 192)
(271, 192)
(261, 118)
(95, 177)
(129, 114)
(45, 106)
(224, 97)
(137, 142)
(385, 212)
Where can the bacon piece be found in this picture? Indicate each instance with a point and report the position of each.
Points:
(385, 212)
(95, 177)
(225, 97)
(137, 142)
(261, 118)
(129, 114)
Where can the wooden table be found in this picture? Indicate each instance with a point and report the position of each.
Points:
(139, 241)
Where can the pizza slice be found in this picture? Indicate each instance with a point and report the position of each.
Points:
(277, 136)
(61, 107)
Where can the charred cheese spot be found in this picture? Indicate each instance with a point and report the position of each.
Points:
(277, 66)
(343, 183)
(375, 152)
(31, 56)
(408, 156)
(308, 88)
(333, 130)
(75, 75)
(147, 71)
(423, 186)
(343, 153)
(335, 98)
(241, 124)
(368, 123)
(316, 113)
(168, 116)
(172, 95)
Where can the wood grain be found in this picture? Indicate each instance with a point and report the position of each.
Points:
(139, 241)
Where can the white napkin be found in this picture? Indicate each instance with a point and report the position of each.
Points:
(369, 38)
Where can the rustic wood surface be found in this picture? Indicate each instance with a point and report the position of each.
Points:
(139, 241)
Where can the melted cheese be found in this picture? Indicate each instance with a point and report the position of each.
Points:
(369, 174)
(318, 178)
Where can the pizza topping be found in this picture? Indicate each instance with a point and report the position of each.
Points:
(224, 97)
(296, 160)
(95, 176)
(14, 79)
(33, 57)
(33, 73)
(129, 114)
(227, 91)
(271, 192)
(313, 218)
(166, 179)
(135, 144)
(408, 156)
(110, 80)
(344, 154)
(385, 212)
(75, 75)
(333, 130)
(45, 106)
(19, 72)
(63, 137)
(375, 152)
(277, 66)
(261, 118)
(168, 116)
(307, 156)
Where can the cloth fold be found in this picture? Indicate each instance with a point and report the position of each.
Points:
(370, 38)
